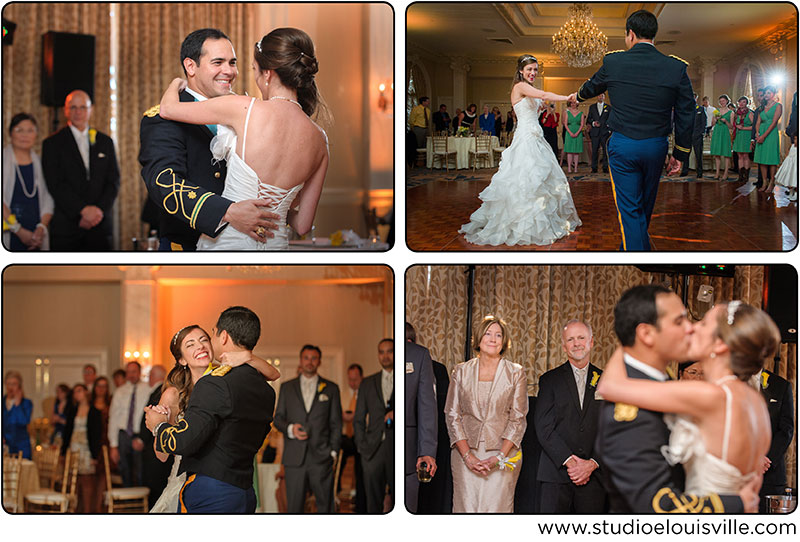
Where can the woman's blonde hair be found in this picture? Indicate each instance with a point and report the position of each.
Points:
(488, 320)
(751, 336)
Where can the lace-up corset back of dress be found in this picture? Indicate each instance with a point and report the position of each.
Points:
(242, 183)
(527, 110)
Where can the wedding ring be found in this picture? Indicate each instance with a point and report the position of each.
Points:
(261, 231)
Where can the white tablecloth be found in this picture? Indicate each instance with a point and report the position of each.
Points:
(462, 146)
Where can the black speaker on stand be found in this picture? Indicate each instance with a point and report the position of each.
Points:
(68, 63)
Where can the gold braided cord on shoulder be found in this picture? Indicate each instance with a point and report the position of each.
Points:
(679, 58)
(174, 201)
(153, 111)
(617, 51)
(166, 439)
(686, 504)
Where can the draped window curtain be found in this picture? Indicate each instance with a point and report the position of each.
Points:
(150, 37)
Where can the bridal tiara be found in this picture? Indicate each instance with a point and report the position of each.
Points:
(733, 306)
(302, 54)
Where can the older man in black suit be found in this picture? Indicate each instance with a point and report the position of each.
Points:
(181, 177)
(566, 424)
(309, 414)
(373, 427)
(598, 131)
(82, 174)
(777, 392)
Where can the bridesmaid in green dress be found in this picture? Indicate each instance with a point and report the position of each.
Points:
(743, 121)
(767, 154)
(574, 123)
(721, 136)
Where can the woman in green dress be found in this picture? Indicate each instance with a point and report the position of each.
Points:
(721, 136)
(574, 123)
(767, 154)
(743, 123)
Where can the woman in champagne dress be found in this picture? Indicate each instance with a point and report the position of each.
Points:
(487, 402)
(720, 427)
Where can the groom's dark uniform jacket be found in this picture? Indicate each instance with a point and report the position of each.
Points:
(637, 477)
(226, 421)
(181, 177)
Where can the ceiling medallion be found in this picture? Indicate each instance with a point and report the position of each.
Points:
(580, 43)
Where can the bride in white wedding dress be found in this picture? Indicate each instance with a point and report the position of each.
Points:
(528, 200)
(720, 427)
(274, 151)
(194, 358)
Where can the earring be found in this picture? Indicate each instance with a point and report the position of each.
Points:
(712, 355)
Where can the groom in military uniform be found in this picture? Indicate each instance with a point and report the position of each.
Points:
(645, 87)
(650, 322)
(226, 421)
(177, 167)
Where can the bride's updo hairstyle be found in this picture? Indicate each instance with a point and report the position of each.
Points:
(751, 336)
(289, 52)
(180, 376)
(523, 61)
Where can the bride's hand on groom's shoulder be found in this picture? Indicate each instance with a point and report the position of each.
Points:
(179, 83)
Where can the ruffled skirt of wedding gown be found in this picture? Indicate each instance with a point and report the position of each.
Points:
(167, 503)
(528, 200)
(787, 173)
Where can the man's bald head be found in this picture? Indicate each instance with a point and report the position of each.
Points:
(78, 109)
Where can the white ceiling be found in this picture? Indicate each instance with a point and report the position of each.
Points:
(686, 29)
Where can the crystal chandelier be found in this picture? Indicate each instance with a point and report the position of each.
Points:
(580, 43)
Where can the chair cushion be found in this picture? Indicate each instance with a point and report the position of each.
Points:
(46, 497)
(130, 492)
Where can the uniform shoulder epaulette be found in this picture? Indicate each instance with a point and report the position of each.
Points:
(153, 111)
(617, 51)
(679, 58)
(222, 370)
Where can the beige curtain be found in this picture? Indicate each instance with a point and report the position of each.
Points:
(22, 60)
(150, 42)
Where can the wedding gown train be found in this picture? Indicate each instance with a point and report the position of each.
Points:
(167, 503)
(528, 201)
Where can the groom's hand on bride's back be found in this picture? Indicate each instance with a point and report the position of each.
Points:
(249, 215)
(749, 494)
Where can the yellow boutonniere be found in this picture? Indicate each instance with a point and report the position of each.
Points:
(510, 462)
(321, 387)
(764, 378)
(92, 136)
(595, 378)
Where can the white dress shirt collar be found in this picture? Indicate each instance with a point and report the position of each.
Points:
(199, 97)
(646, 369)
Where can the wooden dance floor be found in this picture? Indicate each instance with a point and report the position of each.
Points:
(689, 216)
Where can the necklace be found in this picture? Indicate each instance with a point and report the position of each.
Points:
(295, 102)
(725, 379)
(32, 193)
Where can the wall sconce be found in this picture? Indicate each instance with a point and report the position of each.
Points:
(42, 374)
(136, 355)
(383, 101)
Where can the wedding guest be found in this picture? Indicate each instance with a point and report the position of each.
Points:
(309, 414)
(777, 393)
(690, 370)
(124, 422)
(89, 375)
(759, 102)
(549, 121)
(486, 407)
(574, 123)
(355, 375)
(498, 121)
(119, 378)
(59, 417)
(420, 120)
(710, 110)
(486, 121)
(791, 126)
(457, 118)
(83, 436)
(721, 137)
(510, 121)
(101, 400)
(84, 184)
(697, 141)
(17, 411)
(566, 418)
(743, 128)
(27, 204)
(767, 154)
(599, 131)
(470, 119)
(441, 119)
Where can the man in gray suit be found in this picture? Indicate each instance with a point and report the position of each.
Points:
(420, 421)
(373, 429)
(309, 414)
